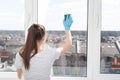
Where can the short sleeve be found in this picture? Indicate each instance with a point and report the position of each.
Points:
(56, 53)
(18, 61)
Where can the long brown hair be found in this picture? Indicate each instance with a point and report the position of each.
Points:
(35, 33)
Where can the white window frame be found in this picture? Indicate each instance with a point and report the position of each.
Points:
(96, 45)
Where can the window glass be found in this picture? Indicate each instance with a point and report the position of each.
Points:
(110, 37)
(74, 62)
(11, 32)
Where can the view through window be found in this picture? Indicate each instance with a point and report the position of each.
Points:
(11, 32)
(110, 37)
(74, 62)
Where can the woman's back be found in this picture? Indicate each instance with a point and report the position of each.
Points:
(40, 64)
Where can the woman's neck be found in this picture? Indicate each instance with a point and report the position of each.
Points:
(40, 46)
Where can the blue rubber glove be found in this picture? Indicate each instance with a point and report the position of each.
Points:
(67, 22)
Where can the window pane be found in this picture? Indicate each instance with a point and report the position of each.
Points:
(110, 37)
(74, 62)
(11, 32)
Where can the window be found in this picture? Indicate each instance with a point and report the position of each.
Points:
(11, 32)
(74, 62)
(110, 37)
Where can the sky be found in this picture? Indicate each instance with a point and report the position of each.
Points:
(51, 14)
(11, 14)
(111, 15)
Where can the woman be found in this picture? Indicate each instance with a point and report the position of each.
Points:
(34, 61)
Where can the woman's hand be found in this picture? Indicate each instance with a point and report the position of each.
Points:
(67, 22)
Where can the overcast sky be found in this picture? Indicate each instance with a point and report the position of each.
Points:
(111, 15)
(11, 14)
(51, 13)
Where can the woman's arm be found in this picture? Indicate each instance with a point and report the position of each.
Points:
(19, 73)
(18, 65)
(67, 22)
(68, 42)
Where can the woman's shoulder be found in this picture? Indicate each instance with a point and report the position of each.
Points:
(54, 52)
(50, 48)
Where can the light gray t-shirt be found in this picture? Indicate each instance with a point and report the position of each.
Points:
(40, 64)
